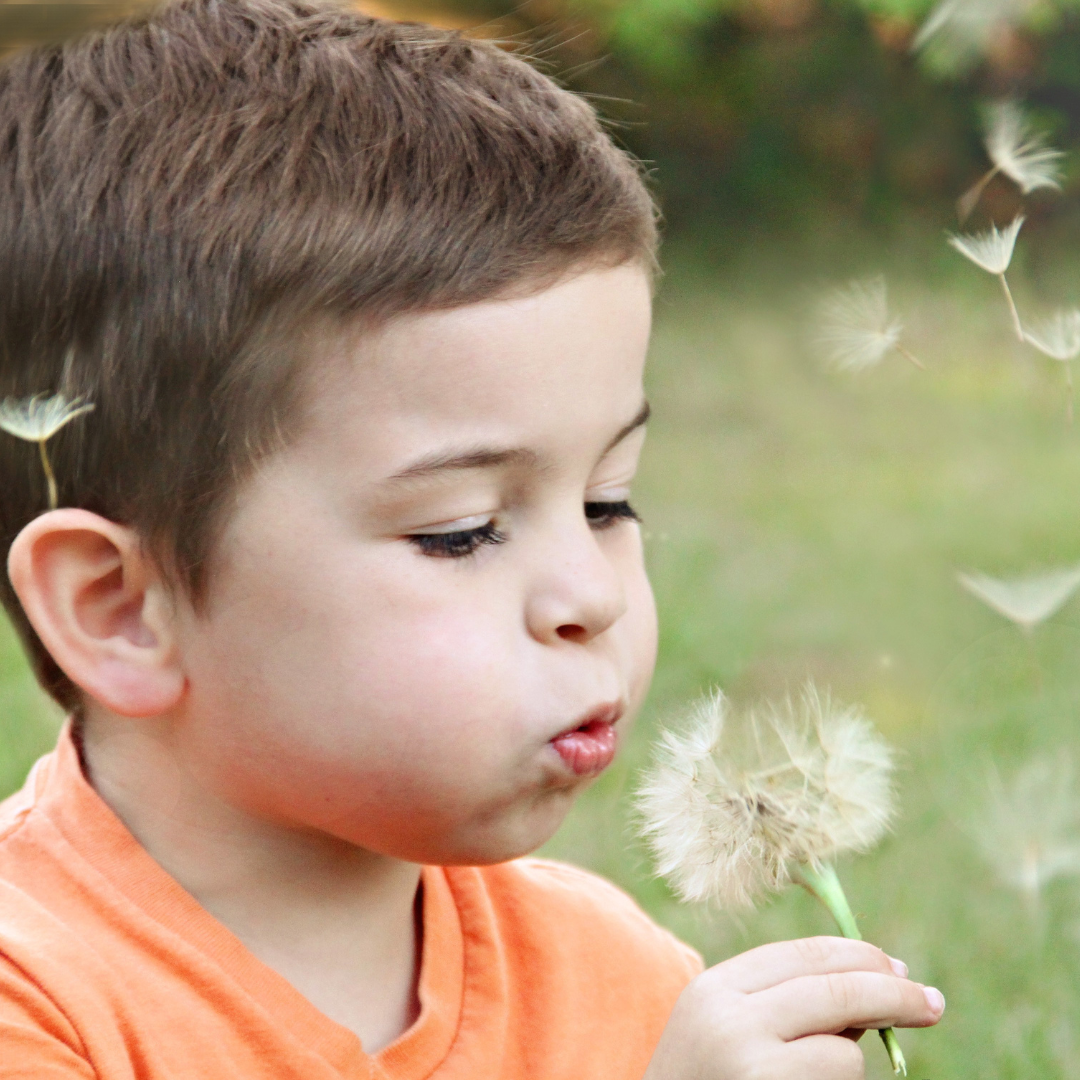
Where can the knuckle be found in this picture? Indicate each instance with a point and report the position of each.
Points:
(707, 1004)
(706, 991)
(880, 959)
(841, 992)
(813, 951)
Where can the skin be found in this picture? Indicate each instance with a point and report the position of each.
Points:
(354, 701)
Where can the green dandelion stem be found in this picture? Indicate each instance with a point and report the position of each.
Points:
(825, 885)
(54, 498)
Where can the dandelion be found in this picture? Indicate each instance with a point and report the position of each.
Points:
(1025, 601)
(855, 326)
(38, 419)
(993, 251)
(1059, 338)
(816, 782)
(962, 30)
(1028, 831)
(1018, 152)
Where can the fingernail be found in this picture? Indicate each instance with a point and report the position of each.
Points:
(899, 967)
(935, 999)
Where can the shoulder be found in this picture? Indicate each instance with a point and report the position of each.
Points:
(591, 916)
(17, 807)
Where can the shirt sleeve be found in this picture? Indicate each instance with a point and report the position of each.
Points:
(37, 1042)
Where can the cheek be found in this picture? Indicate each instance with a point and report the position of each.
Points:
(371, 674)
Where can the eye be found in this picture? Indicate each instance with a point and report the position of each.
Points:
(459, 544)
(602, 515)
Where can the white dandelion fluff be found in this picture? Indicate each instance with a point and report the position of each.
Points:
(992, 251)
(1017, 151)
(1025, 601)
(37, 419)
(1059, 338)
(855, 328)
(960, 31)
(817, 784)
(1028, 830)
(813, 782)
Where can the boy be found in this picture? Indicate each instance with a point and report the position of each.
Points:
(345, 593)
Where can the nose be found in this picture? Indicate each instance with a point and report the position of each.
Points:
(577, 592)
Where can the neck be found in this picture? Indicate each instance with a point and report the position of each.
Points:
(338, 922)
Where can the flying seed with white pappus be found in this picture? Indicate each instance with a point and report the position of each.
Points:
(855, 329)
(37, 419)
(1016, 151)
(1059, 338)
(992, 251)
(1025, 601)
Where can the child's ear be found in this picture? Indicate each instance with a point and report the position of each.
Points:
(101, 608)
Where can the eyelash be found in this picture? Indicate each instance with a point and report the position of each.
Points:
(459, 545)
(602, 515)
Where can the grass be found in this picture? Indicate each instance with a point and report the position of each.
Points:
(801, 523)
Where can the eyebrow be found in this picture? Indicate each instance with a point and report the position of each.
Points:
(489, 458)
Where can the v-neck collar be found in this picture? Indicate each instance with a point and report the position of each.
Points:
(100, 838)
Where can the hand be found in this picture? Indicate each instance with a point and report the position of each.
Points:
(790, 1010)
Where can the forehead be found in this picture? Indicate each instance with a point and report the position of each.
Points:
(527, 370)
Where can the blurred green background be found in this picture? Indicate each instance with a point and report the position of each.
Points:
(804, 523)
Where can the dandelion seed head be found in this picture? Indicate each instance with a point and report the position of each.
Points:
(854, 326)
(1057, 337)
(814, 781)
(1028, 830)
(39, 418)
(1021, 154)
(1026, 601)
(991, 250)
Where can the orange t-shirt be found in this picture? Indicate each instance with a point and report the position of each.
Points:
(109, 969)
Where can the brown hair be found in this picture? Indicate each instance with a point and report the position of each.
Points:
(180, 193)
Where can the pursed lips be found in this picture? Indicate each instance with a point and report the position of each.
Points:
(588, 747)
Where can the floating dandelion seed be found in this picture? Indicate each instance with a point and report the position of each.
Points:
(855, 327)
(962, 30)
(816, 783)
(1029, 830)
(993, 251)
(1018, 152)
(38, 419)
(1059, 338)
(1026, 601)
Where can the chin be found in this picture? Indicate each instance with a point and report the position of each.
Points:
(513, 836)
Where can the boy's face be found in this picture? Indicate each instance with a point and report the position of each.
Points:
(435, 581)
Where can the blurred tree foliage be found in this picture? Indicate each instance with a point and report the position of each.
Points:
(761, 113)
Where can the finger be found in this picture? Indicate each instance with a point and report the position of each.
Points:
(771, 965)
(828, 1004)
(821, 1055)
(854, 1034)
